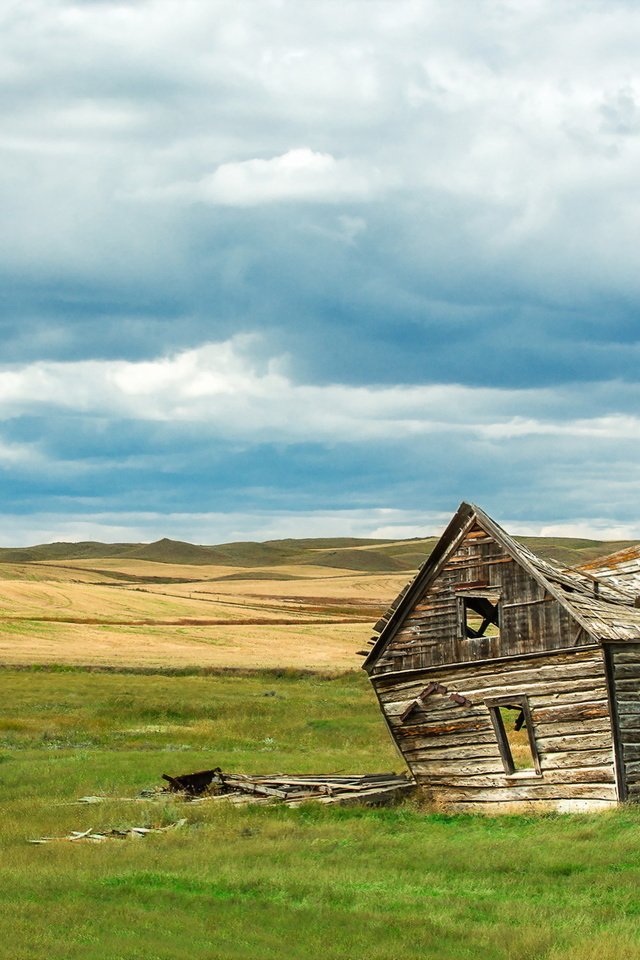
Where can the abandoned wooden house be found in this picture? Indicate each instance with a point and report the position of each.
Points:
(507, 681)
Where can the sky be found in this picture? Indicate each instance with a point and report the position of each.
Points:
(280, 268)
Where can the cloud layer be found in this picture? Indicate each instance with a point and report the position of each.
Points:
(228, 425)
(426, 212)
(228, 391)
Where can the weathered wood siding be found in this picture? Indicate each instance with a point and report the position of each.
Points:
(531, 619)
(452, 750)
(625, 661)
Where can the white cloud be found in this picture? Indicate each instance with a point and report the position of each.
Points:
(300, 174)
(591, 529)
(232, 393)
(206, 527)
(615, 427)
(19, 455)
(212, 527)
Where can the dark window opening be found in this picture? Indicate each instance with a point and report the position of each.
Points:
(480, 617)
(511, 719)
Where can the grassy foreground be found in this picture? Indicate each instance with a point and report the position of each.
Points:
(268, 882)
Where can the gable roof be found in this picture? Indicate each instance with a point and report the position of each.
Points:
(601, 604)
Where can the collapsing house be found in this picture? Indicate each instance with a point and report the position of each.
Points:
(507, 681)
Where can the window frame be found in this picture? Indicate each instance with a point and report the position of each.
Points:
(494, 704)
(463, 606)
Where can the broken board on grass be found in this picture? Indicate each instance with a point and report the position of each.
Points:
(88, 836)
(371, 789)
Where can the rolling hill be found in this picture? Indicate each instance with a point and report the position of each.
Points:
(345, 553)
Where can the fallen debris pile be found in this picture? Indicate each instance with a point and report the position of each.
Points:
(372, 788)
(88, 836)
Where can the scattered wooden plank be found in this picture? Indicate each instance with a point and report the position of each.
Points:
(88, 836)
(335, 788)
(368, 796)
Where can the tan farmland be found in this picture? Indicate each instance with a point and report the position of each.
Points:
(79, 613)
(300, 604)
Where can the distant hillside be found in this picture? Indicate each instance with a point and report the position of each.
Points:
(571, 552)
(240, 554)
(85, 550)
(347, 553)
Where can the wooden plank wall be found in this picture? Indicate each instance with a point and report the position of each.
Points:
(451, 748)
(626, 679)
(531, 620)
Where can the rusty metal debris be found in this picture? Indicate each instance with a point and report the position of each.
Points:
(373, 788)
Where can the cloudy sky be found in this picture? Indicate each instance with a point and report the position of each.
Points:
(308, 267)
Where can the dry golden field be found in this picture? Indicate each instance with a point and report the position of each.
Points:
(114, 612)
(297, 604)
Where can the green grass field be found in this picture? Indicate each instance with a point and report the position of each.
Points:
(270, 882)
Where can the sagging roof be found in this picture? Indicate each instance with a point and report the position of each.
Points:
(603, 603)
(621, 569)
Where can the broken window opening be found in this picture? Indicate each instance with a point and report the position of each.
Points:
(480, 617)
(511, 719)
